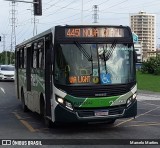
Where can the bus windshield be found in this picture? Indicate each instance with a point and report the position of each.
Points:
(92, 64)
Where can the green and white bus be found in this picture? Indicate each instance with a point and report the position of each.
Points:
(78, 73)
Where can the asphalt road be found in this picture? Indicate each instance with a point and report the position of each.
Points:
(14, 124)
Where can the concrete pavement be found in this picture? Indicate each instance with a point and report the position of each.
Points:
(147, 95)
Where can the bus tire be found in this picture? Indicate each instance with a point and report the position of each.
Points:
(47, 122)
(111, 121)
(24, 107)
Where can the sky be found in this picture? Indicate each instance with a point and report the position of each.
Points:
(62, 12)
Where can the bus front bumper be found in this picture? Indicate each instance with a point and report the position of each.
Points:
(63, 114)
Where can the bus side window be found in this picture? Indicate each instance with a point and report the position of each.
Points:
(21, 59)
(17, 59)
(40, 55)
(35, 55)
(37, 58)
(25, 57)
(34, 58)
(41, 58)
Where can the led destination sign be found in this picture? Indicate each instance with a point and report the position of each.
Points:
(94, 32)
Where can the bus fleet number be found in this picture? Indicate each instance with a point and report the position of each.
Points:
(73, 32)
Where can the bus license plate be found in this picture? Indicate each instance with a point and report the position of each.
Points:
(101, 113)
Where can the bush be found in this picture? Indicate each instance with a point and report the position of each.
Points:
(152, 66)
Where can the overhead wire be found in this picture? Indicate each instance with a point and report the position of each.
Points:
(140, 5)
(26, 30)
(115, 5)
(55, 12)
(79, 9)
(63, 20)
(52, 5)
(47, 3)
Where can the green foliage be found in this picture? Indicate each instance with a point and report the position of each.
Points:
(152, 66)
(7, 57)
(148, 82)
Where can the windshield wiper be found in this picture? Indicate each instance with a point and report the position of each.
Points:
(85, 53)
(109, 53)
(104, 60)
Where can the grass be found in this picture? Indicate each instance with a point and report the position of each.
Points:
(148, 82)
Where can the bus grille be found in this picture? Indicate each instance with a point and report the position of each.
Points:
(111, 112)
(94, 91)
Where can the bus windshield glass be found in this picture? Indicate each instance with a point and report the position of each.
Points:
(93, 64)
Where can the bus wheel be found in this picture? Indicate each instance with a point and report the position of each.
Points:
(47, 122)
(24, 107)
(111, 121)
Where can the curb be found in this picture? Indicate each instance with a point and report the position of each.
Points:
(144, 92)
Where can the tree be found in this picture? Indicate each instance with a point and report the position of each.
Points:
(7, 58)
(152, 66)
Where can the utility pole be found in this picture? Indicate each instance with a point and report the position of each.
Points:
(95, 13)
(35, 26)
(34, 20)
(13, 33)
(82, 13)
(37, 5)
(37, 9)
(4, 48)
(3, 41)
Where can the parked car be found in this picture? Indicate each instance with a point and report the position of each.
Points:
(7, 72)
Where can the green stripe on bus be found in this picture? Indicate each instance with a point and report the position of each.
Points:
(91, 102)
(99, 102)
(76, 102)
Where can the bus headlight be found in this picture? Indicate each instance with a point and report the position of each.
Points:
(134, 96)
(60, 100)
(131, 99)
(64, 103)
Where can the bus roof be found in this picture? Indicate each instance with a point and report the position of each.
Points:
(51, 30)
(35, 37)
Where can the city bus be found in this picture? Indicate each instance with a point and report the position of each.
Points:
(78, 73)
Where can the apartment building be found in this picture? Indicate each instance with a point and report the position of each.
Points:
(144, 25)
(138, 49)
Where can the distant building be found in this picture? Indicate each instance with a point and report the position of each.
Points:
(155, 53)
(144, 25)
(158, 49)
(138, 49)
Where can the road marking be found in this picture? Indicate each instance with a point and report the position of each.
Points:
(28, 126)
(135, 117)
(18, 117)
(25, 123)
(2, 90)
(147, 124)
